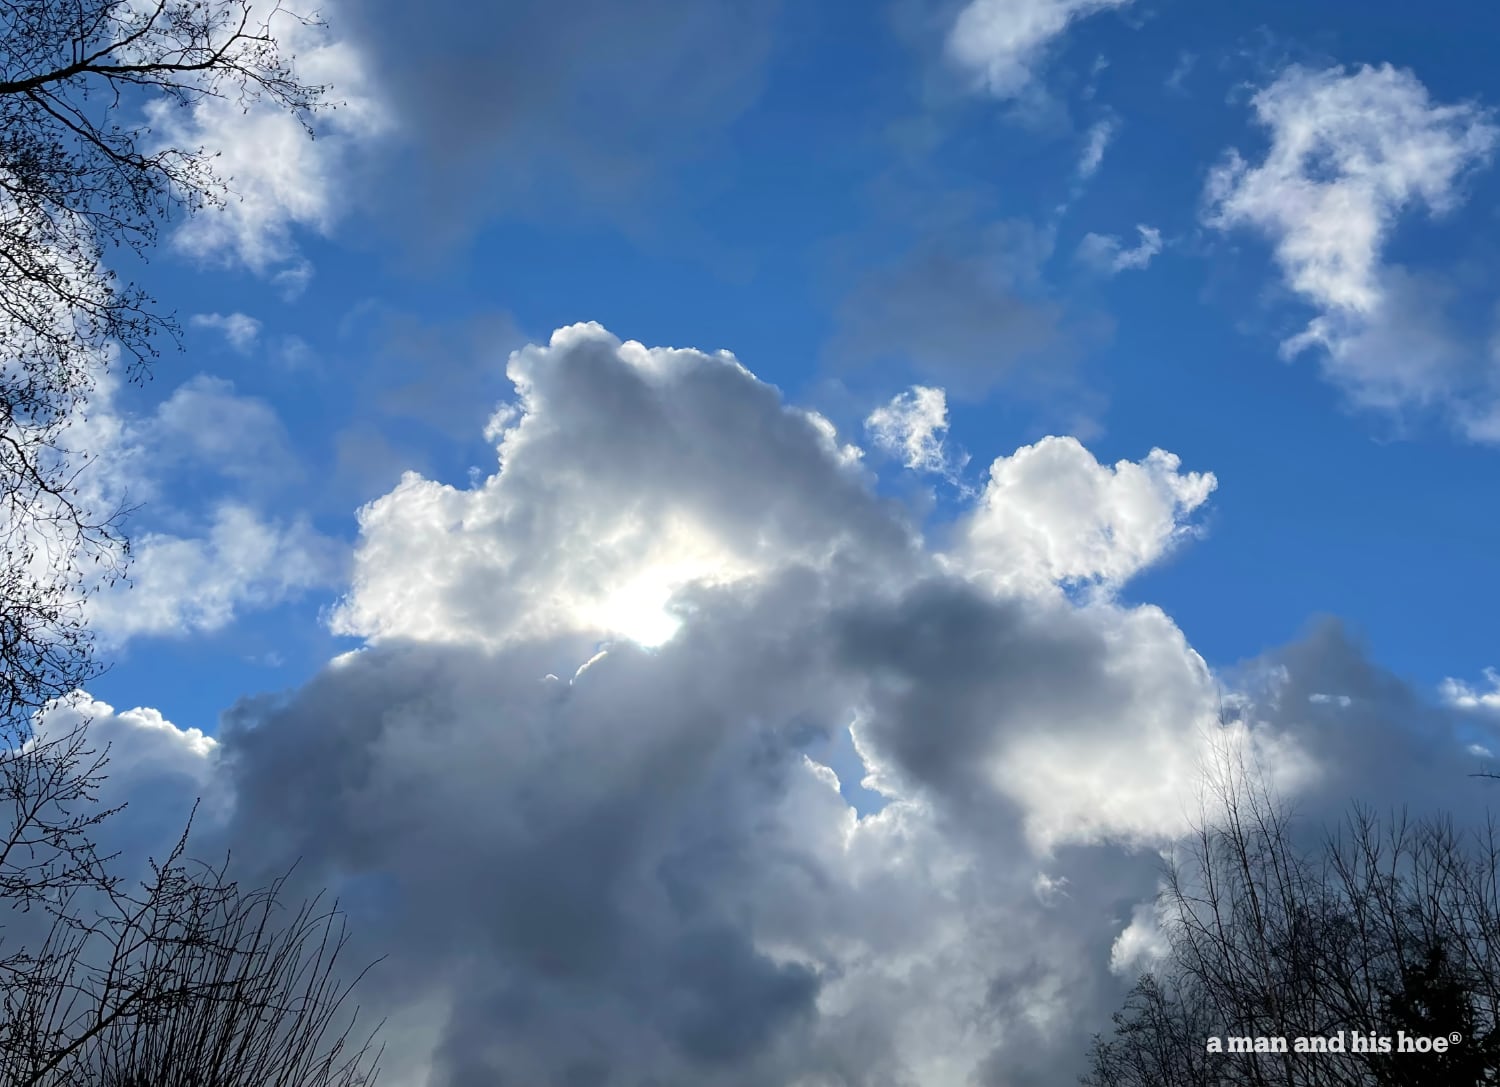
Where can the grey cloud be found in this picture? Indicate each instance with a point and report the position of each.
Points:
(967, 307)
(1387, 743)
(583, 843)
(593, 868)
(511, 103)
(622, 869)
(950, 668)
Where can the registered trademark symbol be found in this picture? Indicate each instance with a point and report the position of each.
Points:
(1455, 1038)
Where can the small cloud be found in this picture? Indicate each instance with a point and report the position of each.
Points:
(912, 427)
(1106, 253)
(1002, 43)
(1462, 696)
(1051, 514)
(294, 354)
(1342, 701)
(1186, 62)
(205, 422)
(1094, 147)
(241, 331)
(292, 280)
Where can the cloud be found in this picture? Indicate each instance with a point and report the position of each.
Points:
(1093, 149)
(1107, 254)
(539, 105)
(1464, 696)
(1371, 735)
(156, 770)
(1001, 44)
(146, 750)
(279, 181)
(911, 427)
(1350, 154)
(654, 858)
(632, 544)
(598, 858)
(203, 428)
(207, 422)
(193, 569)
(1177, 78)
(964, 307)
(241, 331)
(1052, 514)
(185, 585)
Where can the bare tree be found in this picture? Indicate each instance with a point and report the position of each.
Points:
(190, 982)
(83, 173)
(1379, 926)
(187, 980)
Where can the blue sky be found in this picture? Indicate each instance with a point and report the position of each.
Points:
(1117, 387)
(854, 148)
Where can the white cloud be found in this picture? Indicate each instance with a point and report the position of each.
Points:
(241, 331)
(1143, 943)
(279, 180)
(1093, 149)
(912, 426)
(184, 585)
(1319, 698)
(184, 581)
(1106, 253)
(1001, 43)
(1464, 696)
(141, 740)
(607, 552)
(1051, 514)
(1350, 154)
(207, 422)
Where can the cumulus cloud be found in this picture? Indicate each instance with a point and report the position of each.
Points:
(1350, 154)
(239, 330)
(582, 783)
(1000, 44)
(1142, 945)
(607, 550)
(735, 921)
(1053, 515)
(912, 427)
(156, 771)
(1106, 253)
(147, 752)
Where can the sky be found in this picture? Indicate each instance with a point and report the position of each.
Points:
(730, 532)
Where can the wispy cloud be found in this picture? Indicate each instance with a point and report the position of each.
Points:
(1000, 44)
(240, 331)
(1094, 147)
(1107, 254)
(1350, 154)
(913, 427)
